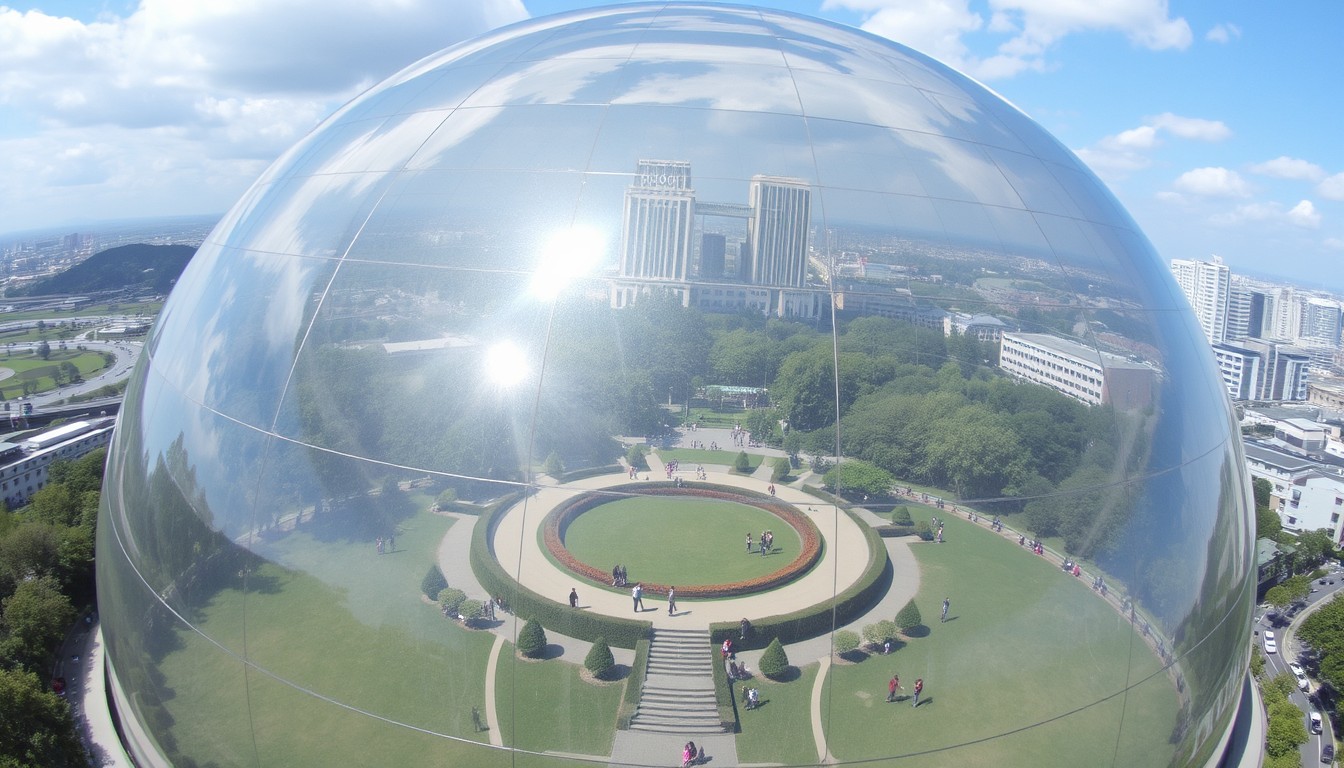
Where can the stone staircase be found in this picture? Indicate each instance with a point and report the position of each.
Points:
(678, 695)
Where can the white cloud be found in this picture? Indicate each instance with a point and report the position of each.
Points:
(936, 27)
(1332, 188)
(1284, 167)
(1223, 33)
(1127, 150)
(221, 88)
(1195, 128)
(1304, 214)
(1212, 182)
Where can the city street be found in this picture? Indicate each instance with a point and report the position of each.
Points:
(1291, 650)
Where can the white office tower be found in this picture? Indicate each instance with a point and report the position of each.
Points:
(1284, 318)
(1320, 321)
(659, 214)
(1242, 319)
(1207, 285)
(781, 215)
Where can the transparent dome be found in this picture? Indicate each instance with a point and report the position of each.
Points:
(574, 296)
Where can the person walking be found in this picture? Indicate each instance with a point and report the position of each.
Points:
(892, 686)
(638, 594)
(919, 688)
(748, 542)
(947, 603)
(574, 597)
(671, 601)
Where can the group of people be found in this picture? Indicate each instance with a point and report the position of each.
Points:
(894, 685)
(692, 755)
(618, 575)
(767, 543)
(386, 545)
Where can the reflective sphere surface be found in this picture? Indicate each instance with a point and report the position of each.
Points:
(635, 287)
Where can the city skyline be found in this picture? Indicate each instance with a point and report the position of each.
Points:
(166, 111)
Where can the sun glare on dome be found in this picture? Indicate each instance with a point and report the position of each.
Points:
(505, 364)
(567, 256)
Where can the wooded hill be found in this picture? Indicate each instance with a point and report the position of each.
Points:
(137, 268)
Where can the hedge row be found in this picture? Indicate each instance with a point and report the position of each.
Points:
(816, 620)
(634, 687)
(892, 530)
(554, 616)
(579, 474)
(723, 690)
(558, 520)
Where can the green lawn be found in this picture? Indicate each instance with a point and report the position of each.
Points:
(29, 367)
(690, 457)
(558, 711)
(333, 619)
(649, 535)
(1002, 677)
(780, 731)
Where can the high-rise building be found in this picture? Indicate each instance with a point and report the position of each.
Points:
(713, 252)
(781, 216)
(1320, 321)
(1253, 369)
(659, 214)
(1241, 315)
(1207, 285)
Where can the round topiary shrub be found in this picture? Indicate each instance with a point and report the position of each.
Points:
(635, 458)
(471, 611)
(923, 531)
(909, 617)
(845, 641)
(780, 469)
(901, 516)
(774, 662)
(532, 639)
(880, 632)
(433, 583)
(742, 463)
(450, 600)
(599, 660)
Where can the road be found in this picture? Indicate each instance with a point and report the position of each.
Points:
(1290, 649)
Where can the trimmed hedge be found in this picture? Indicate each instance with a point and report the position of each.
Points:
(815, 620)
(579, 474)
(532, 639)
(433, 583)
(523, 602)
(774, 662)
(599, 660)
(723, 690)
(634, 687)
(895, 531)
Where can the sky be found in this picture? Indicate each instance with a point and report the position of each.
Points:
(1219, 125)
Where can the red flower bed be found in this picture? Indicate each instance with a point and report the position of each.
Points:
(558, 520)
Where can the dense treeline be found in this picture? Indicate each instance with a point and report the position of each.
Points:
(46, 580)
(136, 267)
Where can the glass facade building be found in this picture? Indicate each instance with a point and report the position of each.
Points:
(415, 399)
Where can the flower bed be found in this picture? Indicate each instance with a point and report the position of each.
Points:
(559, 519)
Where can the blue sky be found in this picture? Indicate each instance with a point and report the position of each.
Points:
(1217, 124)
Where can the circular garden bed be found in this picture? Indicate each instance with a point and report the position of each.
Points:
(560, 518)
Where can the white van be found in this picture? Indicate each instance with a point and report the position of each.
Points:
(1315, 722)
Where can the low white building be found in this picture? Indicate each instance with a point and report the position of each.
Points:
(1079, 371)
(1306, 494)
(23, 466)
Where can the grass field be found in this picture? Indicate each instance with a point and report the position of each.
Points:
(780, 731)
(29, 367)
(331, 618)
(649, 534)
(558, 711)
(690, 457)
(1030, 662)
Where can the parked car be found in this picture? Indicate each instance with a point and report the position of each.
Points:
(1296, 669)
(1315, 718)
(1328, 753)
(1271, 645)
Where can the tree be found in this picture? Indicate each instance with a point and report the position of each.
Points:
(532, 639)
(433, 583)
(857, 478)
(901, 516)
(774, 662)
(44, 350)
(880, 632)
(554, 466)
(54, 504)
(742, 462)
(35, 619)
(908, 618)
(845, 641)
(599, 660)
(35, 724)
(470, 610)
(635, 458)
(450, 601)
(780, 469)
(1267, 523)
(1263, 491)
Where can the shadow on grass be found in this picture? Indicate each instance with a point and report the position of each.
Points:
(855, 656)
(790, 674)
(919, 631)
(616, 673)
